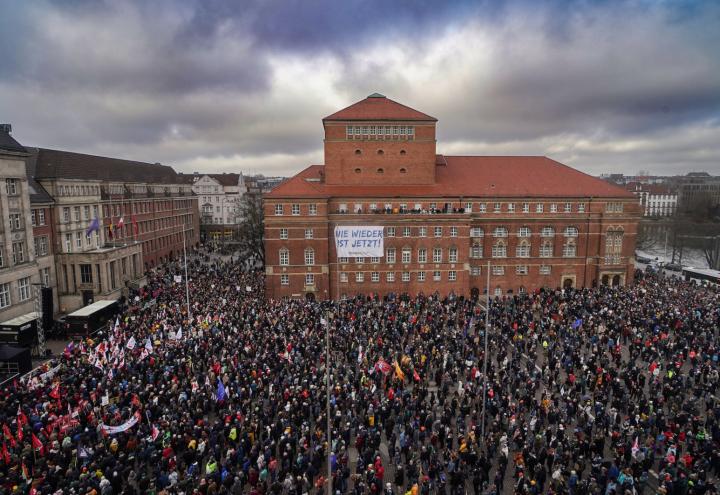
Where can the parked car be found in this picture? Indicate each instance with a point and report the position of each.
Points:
(673, 267)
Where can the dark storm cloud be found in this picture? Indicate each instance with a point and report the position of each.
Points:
(603, 85)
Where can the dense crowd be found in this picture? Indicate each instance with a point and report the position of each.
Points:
(594, 391)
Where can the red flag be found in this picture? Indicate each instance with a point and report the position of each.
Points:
(25, 472)
(19, 432)
(55, 392)
(5, 453)
(416, 376)
(37, 444)
(134, 224)
(9, 436)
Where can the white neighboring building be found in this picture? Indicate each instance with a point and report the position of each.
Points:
(219, 197)
(656, 200)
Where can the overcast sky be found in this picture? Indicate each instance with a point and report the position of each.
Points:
(221, 86)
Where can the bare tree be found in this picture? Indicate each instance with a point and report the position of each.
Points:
(252, 228)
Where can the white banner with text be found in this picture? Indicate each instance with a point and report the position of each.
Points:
(358, 241)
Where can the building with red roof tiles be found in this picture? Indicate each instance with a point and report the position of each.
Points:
(445, 220)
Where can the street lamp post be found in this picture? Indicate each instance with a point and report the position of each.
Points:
(187, 287)
(327, 400)
(485, 356)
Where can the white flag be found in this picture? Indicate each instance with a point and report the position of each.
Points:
(178, 278)
(131, 343)
(178, 335)
(148, 345)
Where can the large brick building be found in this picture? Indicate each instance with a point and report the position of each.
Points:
(537, 222)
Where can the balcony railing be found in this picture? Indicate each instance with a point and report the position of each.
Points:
(401, 211)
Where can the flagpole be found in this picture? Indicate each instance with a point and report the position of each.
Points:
(327, 401)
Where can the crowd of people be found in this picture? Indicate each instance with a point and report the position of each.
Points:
(592, 391)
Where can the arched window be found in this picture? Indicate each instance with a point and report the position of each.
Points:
(522, 250)
(500, 232)
(571, 232)
(499, 250)
(546, 248)
(547, 232)
(284, 256)
(613, 245)
(569, 248)
(476, 232)
(477, 250)
(309, 256)
(406, 255)
(453, 255)
(437, 255)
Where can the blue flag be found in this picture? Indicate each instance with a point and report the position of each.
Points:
(93, 227)
(577, 323)
(220, 391)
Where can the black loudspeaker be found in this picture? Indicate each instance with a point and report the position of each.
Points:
(47, 308)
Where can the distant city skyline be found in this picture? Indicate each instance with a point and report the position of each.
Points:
(212, 86)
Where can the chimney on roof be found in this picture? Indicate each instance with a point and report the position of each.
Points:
(6, 128)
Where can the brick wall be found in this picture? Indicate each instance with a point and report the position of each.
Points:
(585, 269)
(370, 161)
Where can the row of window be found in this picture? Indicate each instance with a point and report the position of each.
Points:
(467, 207)
(19, 254)
(37, 217)
(375, 277)
(453, 232)
(295, 209)
(499, 250)
(117, 210)
(420, 276)
(380, 131)
(498, 270)
(23, 292)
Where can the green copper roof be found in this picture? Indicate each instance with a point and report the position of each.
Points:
(376, 95)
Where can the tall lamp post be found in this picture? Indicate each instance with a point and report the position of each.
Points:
(187, 287)
(328, 316)
(485, 355)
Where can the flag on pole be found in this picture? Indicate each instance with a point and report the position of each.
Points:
(134, 224)
(635, 448)
(93, 227)
(398, 372)
(221, 395)
(37, 444)
(55, 392)
(382, 366)
(25, 472)
(131, 343)
(5, 453)
(416, 376)
(8, 435)
(148, 345)
(155, 433)
(120, 223)
(110, 230)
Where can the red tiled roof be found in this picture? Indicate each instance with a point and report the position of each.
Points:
(468, 176)
(378, 107)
